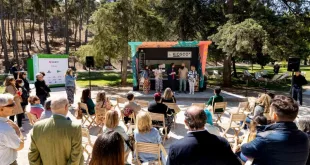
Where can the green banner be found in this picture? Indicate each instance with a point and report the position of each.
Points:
(53, 56)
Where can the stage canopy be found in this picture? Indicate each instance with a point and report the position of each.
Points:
(203, 54)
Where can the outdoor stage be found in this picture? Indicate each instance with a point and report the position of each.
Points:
(199, 96)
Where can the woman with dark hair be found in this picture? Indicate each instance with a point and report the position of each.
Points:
(24, 94)
(70, 85)
(10, 87)
(146, 83)
(23, 76)
(42, 90)
(86, 98)
(108, 150)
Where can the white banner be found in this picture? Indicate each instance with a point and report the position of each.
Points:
(179, 54)
(54, 68)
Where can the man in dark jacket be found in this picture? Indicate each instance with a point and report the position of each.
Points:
(298, 81)
(42, 90)
(199, 147)
(280, 143)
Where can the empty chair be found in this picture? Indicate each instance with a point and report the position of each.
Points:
(201, 105)
(234, 124)
(244, 107)
(151, 148)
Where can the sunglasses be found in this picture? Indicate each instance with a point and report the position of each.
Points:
(10, 105)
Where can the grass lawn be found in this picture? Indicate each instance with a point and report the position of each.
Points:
(101, 79)
(237, 83)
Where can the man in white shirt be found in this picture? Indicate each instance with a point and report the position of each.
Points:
(11, 139)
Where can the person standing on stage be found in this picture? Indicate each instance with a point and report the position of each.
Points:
(183, 71)
(192, 76)
(158, 79)
(298, 81)
(171, 76)
(146, 83)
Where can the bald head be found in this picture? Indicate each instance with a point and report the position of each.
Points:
(195, 118)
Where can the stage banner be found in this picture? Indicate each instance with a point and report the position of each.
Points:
(55, 67)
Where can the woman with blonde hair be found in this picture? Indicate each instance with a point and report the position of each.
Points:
(144, 132)
(168, 96)
(10, 87)
(262, 105)
(111, 123)
(70, 85)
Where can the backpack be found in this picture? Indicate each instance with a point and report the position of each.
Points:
(128, 112)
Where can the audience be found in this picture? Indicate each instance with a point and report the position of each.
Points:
(131, 105)
(262, 105)
(102, 101)
(108, 150)
(35, 107)
(216, 98)
(47, 110)
(23, 76)
(10, 87)
(280, 143)
(42, 90)
(168, 96)
(199, 146)
(144, 132)
(11, 138)
(249, 136)
(158, 107)
(112, 124)
(56, 140)
(70, 85)
(86, 98)
(304, 126)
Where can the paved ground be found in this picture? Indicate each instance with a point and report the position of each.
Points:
(176, 133)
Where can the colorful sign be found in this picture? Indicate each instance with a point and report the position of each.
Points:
(54, 68)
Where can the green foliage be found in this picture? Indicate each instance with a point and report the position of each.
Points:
(247, 37)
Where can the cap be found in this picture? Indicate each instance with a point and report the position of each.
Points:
(157, 95)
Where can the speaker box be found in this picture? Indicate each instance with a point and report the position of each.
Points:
(293, 64)
(90, 62)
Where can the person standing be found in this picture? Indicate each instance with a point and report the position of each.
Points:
(183, 71)
(11, 138)
(10, 87)
(276, 68)
(298, 81)
(23, 76)
(199, 146)
(24, 96)
(192, 76)
(158, 79)
(70, 85)
(171, 76)
(146, 83)
(56, 140)
(14, 70)
(280, 143)
(42, 90)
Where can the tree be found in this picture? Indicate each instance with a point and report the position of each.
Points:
(4, 43)
(247, 37)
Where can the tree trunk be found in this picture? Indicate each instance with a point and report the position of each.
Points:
(75, 34)
(87, 21)
(4, 43)
(67, 27)
(230, 6)
(25, 36)
(124, 65)
(227, 71)
(234, 67)
(306, 61)
(13, 28)
(32, 29)
(40, 34)
(48, 50)
(8, 23)
(80, 27)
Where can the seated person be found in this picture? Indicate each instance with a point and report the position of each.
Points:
(144, 132)
(103, 104)
(304, 125)
(86, 98)
(262, 104)
(158, 107)
(35, 107)
(168, 96)
(48, 112)
(216, 98)
(112, 124)
(280, 143)
(249, 136)
(131, 105)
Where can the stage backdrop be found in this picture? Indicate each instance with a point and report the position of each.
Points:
(54, 66)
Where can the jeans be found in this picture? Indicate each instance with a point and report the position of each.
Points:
(42, 99)
(191, 87)
(297, 94)
(182, 82)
